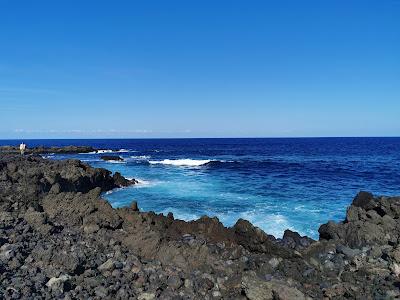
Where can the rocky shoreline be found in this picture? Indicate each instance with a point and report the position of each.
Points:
(60, 239)
(46, 150)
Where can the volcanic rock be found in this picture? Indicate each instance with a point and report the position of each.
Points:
(111, 158)
(60, 239)
(44, 150)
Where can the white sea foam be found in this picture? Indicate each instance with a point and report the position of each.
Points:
(141, 157)
(104, 151)
(181, 162)
(93, 152)
(140, 183)
(101, 151)
(143, 182)
(271, 223)
(113, 190)
(116, 161)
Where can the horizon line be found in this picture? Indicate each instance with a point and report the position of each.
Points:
(186, 138)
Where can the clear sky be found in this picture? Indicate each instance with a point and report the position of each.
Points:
(199, 68)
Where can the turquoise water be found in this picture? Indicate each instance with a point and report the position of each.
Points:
(274, 183)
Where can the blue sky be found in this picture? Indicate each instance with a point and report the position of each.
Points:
(199, 68)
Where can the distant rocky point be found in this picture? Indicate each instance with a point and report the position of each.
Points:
(43, 150)
(59, 239)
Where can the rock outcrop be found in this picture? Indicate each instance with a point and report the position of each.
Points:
(369, 221)
(43, 150)
(60, 239)
(111, 158)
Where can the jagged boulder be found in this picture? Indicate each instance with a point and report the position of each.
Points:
(369, 221)
(121, 181)
(295, 241)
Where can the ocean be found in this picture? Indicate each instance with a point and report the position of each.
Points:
(277, 183)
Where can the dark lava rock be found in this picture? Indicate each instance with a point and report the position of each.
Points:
(111, 158)
(295, 241)
(121, 181)
(44, 150)
(369, 221)
(364, 200)
(60, 240)
(348, 252)
(134, 206)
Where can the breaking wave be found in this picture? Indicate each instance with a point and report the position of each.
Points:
(141, 157)
(104, 151)
(181, 162)
(188, 162)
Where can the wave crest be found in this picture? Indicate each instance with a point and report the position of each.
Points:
(181, 162)
(141, 157)
(103, 151)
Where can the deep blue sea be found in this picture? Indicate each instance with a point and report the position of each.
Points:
(295, 183)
